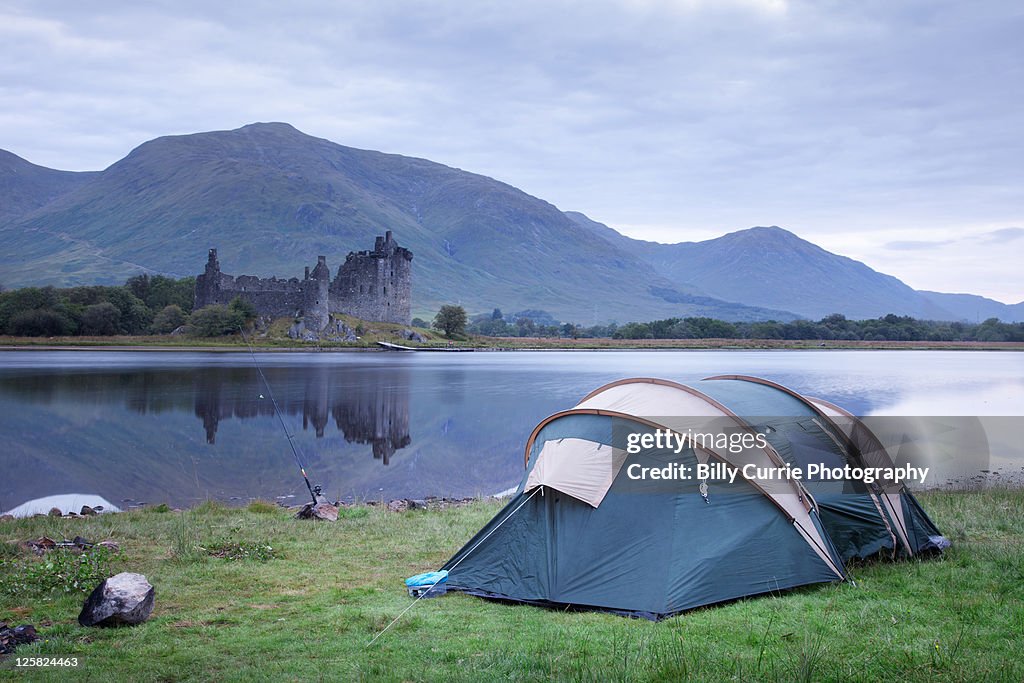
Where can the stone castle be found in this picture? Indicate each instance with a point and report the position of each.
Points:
(373, 285)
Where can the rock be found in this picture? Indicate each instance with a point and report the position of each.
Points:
(55, 512)
(123, 599)
(110, 545)
(11, 638)
(418, 504)
(6, 518)
(412, 335)
(39, 545)
(86, 510)
(324, 511)
(398, 505)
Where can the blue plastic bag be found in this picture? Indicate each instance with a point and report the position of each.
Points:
(427, 579)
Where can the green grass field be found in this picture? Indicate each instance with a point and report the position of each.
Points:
(252, 594)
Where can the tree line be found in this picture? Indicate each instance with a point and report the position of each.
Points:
(832, 327)
(143, 305)
(159, 305)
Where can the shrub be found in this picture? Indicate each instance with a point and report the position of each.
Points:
(101, 319)
(39, 323)
(168, 319)
(213, 321)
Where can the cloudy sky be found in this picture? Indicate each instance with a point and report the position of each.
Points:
(887, 131)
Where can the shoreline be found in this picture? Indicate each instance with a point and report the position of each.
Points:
(516, 344)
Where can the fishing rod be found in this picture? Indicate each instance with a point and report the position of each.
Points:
(277, 411)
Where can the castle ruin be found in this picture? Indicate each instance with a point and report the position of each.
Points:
(372, 285)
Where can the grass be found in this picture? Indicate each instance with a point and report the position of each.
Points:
(306, 609)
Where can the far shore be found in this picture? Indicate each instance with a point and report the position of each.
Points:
(483, 344)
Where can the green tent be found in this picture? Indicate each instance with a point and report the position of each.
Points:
(583, 530)
(862, 520)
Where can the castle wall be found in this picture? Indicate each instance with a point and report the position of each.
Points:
(270, 296)
(373, 285)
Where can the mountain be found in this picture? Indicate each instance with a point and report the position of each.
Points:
(773, 268)
(974, 308)
(26, 187)
(271, 198)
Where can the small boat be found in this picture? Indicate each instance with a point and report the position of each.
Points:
(398, 347)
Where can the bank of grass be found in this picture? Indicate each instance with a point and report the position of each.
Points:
(368, 341)
(305, 600)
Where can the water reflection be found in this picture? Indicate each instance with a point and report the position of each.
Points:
(367, 406)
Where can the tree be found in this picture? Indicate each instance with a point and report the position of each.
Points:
(213, 321)
(39, 323)
(103, 319)
(25, 300)
(451, 320)
(420, 322)
(244, 310)
(168, 320)
(496, 314)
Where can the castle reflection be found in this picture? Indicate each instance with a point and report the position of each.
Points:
(368, 406)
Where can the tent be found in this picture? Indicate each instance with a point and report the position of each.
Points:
(598, 524)
(862, 519)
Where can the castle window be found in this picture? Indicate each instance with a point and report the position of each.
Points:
(385, 290)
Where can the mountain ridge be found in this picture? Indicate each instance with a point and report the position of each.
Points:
(773, 267)
(272, 198)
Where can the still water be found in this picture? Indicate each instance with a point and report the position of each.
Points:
(183, 427)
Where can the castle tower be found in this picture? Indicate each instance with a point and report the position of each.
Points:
(208, 284)
(375, 285)
(316, 292)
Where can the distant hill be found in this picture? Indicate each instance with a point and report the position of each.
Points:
(772, 267)
(24, 187)
(271, 198)
(974, 308)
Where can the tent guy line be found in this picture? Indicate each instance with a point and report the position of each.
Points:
(427, 591)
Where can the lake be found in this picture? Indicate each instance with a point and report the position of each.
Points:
(181, 427)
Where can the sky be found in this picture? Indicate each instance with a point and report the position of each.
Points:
(890, 131)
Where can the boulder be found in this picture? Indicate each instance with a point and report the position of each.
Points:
(86, 510)
(324, 511)
(55, 512)
(6, 518)
(123, 599)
